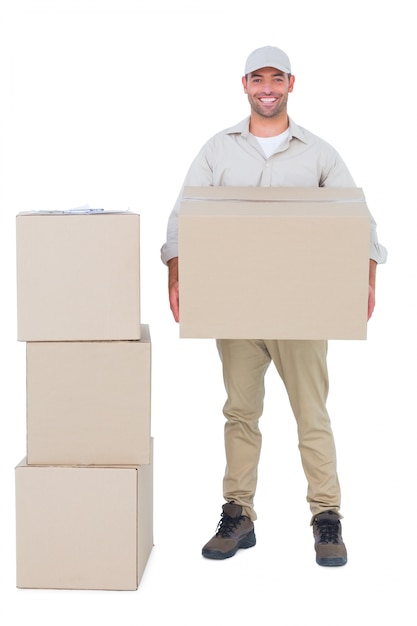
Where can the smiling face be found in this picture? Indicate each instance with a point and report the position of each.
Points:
(267, 90)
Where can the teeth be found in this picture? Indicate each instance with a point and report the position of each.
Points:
(268, 99)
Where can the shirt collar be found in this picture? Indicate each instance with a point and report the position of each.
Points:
(242, 128)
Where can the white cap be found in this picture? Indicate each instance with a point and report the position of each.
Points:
(268, 56)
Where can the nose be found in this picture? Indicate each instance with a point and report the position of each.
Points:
(267, 88)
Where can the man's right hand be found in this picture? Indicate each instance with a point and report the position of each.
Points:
(173, 288)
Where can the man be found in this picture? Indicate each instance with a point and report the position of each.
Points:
(269, 149)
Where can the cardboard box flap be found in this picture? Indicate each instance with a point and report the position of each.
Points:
(287, 209)
(275, 194)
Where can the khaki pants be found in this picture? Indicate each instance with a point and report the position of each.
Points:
(302, 366)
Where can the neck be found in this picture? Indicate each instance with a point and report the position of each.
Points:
(268, 127)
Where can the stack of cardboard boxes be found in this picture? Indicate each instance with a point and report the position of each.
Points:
(84, 492)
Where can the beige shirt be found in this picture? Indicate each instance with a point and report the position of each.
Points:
(235, 158)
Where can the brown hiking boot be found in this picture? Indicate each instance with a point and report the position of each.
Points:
(234, 531)
(329, 546)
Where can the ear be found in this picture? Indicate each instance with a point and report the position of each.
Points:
(291, 85)
(245, 85)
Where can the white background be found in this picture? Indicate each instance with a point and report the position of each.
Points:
(105, 103)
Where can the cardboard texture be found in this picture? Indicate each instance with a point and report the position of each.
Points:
(78, 276)
(285, 263)
(83, 528)
(89, 403)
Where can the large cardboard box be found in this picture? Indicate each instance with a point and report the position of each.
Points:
(273, 263)
(78, 276)
(89, 403)
(83, 527)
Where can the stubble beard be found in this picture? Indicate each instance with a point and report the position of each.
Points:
(281, 106)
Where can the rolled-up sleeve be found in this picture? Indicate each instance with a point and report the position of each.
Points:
(377, 252)
(199, 175)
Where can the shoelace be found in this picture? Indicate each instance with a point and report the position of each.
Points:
(329, 531)
(227, 525)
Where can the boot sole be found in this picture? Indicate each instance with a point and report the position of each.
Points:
(247, 542)
(332, 562)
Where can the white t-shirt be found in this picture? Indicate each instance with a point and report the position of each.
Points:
(270, 144)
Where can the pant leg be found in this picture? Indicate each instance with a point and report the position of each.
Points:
(302, 366)
(244, 366)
